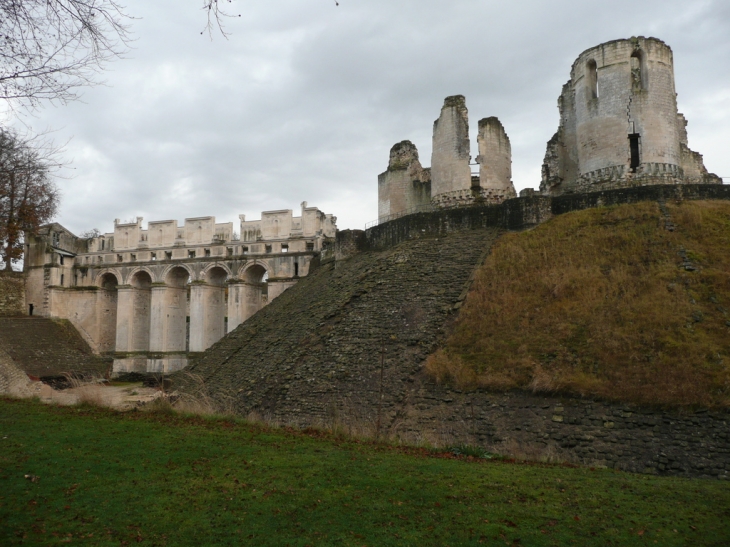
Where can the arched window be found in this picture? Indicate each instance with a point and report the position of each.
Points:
(592, 79)
(638, 72)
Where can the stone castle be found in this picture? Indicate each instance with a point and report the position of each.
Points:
(619, 128)
(152, 296)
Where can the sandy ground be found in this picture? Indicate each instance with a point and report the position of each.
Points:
(123, 397)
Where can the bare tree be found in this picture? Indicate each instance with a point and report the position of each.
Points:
(28, 195)
(50, 48)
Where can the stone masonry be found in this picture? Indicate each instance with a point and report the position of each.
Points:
(619, 125)
(406, 187)
(150, 296)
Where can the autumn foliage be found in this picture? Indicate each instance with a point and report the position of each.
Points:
(28, 195)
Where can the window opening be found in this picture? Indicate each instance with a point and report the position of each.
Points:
(310, 245)
(207, 252)
(637, 72)
(191, 254)
(60, 259)
(133, 257)
(592, 76)
(102, 244)
(285, 248)
(120, 258)
(62, 280)
(56, 239)
(153, 256)
(635, 151)
(168, 255)
(229, 251)
(296, 269)
(268, 248)
(245, 250)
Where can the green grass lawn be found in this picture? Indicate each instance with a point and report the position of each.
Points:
(98, 477)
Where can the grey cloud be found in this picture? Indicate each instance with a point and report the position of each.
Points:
(305, 99)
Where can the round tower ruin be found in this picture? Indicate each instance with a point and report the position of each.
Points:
(619, 124)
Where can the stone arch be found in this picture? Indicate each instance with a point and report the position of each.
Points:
(177, 275)
(101, 275)
(140, 278)
(257, 272)
(216, 274)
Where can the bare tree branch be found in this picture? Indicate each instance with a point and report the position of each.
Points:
(50, 48)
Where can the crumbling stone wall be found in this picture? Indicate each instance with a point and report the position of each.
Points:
(642, 440)
(619, 125)
(405, 187)
(495, 161)
(12, 294)
(450, 156)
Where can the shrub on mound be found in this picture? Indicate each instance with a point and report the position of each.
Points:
(607, 302)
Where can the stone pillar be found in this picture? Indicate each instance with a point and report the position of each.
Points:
(450, 171)
(125, 318)
(495, 161)
(236, 304)
(244, 299)
(167, 323)
(207, 315)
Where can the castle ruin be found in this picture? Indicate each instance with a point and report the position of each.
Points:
(150, 296)
(619, 124)
(407, 187)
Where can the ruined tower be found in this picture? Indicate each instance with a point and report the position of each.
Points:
(450, 156)
(619, 124)
(407, 187)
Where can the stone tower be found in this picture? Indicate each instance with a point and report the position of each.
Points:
(450, 156)
(405, 186)
(619, 124)
(495, 161)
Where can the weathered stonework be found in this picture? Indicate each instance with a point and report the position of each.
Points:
(151, 296)
(381, 308)
(12, 294)
(406, 186)
(495, 161)
(619, 125)
(450, 156)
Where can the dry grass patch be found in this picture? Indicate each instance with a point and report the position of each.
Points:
(599, 303)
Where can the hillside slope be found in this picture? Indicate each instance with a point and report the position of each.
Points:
(627, 303)
(44, 348)
(347, 336)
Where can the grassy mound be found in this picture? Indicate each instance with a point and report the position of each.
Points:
(607, 302)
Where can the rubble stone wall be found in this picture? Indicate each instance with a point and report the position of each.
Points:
(12, 294)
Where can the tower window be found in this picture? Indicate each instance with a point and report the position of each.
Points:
(638, 74)
(592, 79)
(635, 151)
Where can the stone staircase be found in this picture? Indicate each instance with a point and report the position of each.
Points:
(46, 348)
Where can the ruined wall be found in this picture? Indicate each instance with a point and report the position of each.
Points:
(12, 294)
(380, 312)
(619, 124)
(495, 161)
(405, 186)
(450, 171)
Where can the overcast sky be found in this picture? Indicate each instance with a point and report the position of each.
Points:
(305, 98)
